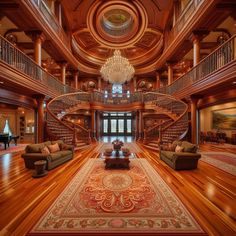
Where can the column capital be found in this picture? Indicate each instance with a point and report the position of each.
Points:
(39, 97)
(198, 35)
(195, 98)
(62, 63)
(75, 72)
(36, 34)
(158, 72)
(170, 63)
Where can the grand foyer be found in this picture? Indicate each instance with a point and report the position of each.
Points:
(52, 87)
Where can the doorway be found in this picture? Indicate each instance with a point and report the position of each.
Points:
(117, 124)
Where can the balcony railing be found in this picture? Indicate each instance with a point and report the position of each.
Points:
(182, 20)
(223, 55)
(17, 59)
(116, 99)
(52, 20)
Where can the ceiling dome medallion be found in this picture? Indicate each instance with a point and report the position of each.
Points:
(117, 24)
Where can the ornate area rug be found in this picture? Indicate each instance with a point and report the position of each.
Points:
(117, 201)
(222, 160)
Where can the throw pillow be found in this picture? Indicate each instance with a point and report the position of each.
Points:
(63, 146)
(45, 150)
(189, 147)
(54, 148)
(171, 147)
(165, 147)
(179, 149)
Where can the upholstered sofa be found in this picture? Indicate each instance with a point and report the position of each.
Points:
(186, 159)
(33, 152)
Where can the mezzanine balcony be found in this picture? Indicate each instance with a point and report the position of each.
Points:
(18, 68)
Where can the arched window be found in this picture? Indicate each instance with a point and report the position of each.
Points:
(117, 90)
(7, 129)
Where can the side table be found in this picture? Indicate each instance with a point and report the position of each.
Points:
(40, 169)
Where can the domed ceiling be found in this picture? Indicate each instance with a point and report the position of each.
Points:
(135, 27)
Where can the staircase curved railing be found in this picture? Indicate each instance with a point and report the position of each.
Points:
(153, 133)
(178, 126)
(172, 129)
(81, 132)
(62, 105)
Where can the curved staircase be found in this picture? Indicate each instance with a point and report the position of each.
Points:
(174, 127)
(57, 128)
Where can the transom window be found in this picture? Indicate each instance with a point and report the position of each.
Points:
(117, 88)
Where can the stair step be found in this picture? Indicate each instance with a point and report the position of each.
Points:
(152, 148)
(153, 144)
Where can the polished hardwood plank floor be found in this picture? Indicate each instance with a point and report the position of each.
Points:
(208, 192)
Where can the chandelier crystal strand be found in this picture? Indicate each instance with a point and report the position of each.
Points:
(117, 69)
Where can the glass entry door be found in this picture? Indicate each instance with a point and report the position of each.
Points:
(117, 124)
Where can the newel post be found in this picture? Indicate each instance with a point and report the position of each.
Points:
(144, 136)
(74, 137)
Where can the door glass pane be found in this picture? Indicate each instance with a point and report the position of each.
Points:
(105, 126)
(113, 126)
(121, 126)
(129, 128)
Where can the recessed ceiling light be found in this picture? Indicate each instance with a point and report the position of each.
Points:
(234, 82)
(1, 82)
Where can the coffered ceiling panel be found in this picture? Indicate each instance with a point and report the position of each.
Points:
(99, 27)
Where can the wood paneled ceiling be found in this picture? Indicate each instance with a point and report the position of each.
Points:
(135, 27)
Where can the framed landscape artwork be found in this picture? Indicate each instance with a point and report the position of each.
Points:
(224, 119)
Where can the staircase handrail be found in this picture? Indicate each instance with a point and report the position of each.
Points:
(181, 116)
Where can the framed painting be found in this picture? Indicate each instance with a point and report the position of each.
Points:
(224, 118)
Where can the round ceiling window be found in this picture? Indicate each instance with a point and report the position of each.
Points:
(117, 22)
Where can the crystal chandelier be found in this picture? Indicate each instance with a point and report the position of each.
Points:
(117, 69)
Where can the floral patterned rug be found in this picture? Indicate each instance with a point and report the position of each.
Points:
(222, 160)
(117, 201)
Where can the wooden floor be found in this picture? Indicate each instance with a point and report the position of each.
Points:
(208, 192)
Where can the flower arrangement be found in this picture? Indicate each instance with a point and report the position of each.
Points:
(117, 144)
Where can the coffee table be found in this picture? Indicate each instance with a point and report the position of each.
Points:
(117, 163)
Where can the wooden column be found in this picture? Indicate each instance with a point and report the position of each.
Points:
(99, 83)
(158, 80)
(196, 38)
(38, 39)
(93, 120)
(63, 72)
(194, 101)
(98, 125)
(76, 74)
(234, 48)
(140, 128)
(196, 50)
(135, 83)
(175, 11)
(170, 73)
(40, 118)
(137, 125)
(58, 12)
